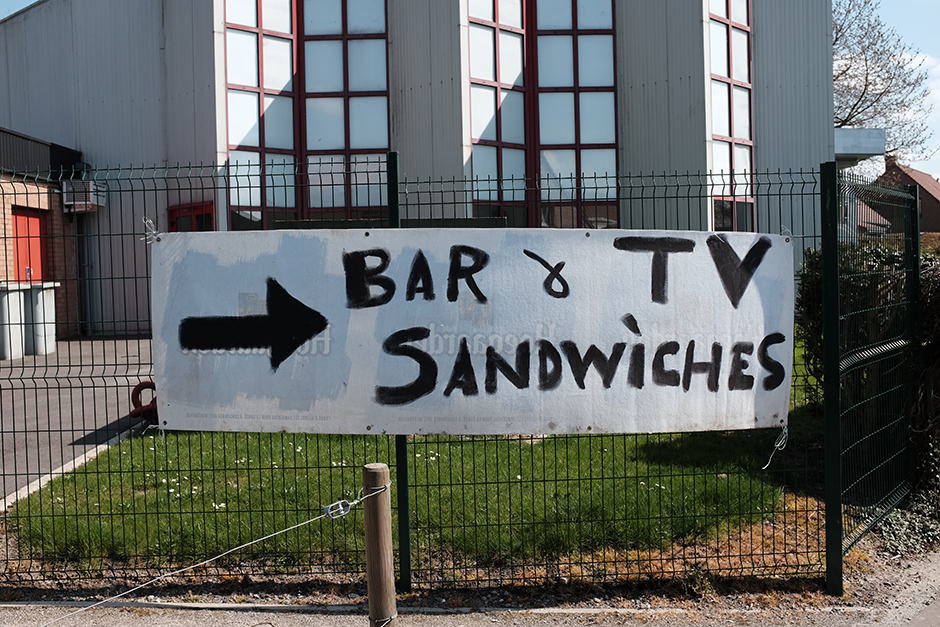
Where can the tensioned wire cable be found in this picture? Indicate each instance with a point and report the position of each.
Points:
(334, 510)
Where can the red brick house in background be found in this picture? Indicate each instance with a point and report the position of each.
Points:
(38, 235)
(897, 174)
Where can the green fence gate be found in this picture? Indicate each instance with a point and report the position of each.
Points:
(870, 276)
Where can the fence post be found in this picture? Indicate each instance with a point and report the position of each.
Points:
(380, 562)
(401, 441)
(831, 389)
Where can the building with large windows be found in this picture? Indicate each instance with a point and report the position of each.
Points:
(542, 107)
(565, 93)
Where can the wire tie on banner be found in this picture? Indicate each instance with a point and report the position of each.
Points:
(779, 445)
(151, 233)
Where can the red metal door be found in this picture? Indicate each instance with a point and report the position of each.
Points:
(28, 245)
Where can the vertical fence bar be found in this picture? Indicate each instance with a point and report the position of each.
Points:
(401, 441)
(831, 394)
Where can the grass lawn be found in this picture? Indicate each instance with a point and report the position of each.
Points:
(179, 497)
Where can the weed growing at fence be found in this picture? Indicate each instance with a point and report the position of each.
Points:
(182, 497)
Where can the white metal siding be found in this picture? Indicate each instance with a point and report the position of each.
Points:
(427, 86)
(661, 78)
(792, 84)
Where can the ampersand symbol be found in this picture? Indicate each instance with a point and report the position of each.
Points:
(554, 274)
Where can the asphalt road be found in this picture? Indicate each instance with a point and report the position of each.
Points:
(60, 407)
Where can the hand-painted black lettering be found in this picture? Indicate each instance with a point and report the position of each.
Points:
(661, 376)
(777, 372)
(661, 247)
(549, 365)
(735, 274)
(419, 279)
(637, 371)
(737, 379)
(606, 367)
(631, 324)
(360, 278)
(712, 368)
(479, 259)
(462, 376)
(554, 274)
(518, 377)
(426, 380)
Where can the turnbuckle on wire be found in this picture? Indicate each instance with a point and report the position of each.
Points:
(337, 509)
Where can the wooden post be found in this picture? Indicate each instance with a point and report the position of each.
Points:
(380, 565)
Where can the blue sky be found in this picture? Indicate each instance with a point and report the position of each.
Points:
(915, 20)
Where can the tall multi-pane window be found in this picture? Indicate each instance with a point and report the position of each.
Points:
(308, 112)
(543, 109)
(261, 95)
(345, 93)
(732, 137)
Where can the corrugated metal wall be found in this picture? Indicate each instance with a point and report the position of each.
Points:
(429, 86)
(661, 78)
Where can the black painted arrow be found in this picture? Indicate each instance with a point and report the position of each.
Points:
(288, 324)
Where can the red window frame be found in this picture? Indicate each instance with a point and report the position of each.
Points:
(200, 215)
(735, 182)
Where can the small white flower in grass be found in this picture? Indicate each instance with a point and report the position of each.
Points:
(299, 448)
(417, 454)
(172, 490)
(518, 476)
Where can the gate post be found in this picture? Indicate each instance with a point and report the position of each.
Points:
(392, 173)
(831, 389)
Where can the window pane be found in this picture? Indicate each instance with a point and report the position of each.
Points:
(485, 175)
(367, 65)
(721, 168)
(596, 61)
(481, 9)
(740, 56)
(365, 16)
(278, 64)
(599, 174)
(718, 7)
(510, 58)
(242, 12)
(513, 179)
(242, 118)
(323, 66)
(482, 53)
(510, 13)
(739, 11)
(323, 17)
(724, 217)
(279, 180)
(721, 109)
(556, 118)
(558, 179)
(742, 113)
(595, 14)
(554, 14)
(276, 15)
(325, 124)
(512, 117)
(556, 64)
(327, 178)
(719, 48)
(597, 117)
(241, 57)
(244, 178)
(368, 122)
(279, 122)
(369, 188)
(742, 167)
(482, 112)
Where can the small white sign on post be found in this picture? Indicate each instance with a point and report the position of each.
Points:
(467, 331)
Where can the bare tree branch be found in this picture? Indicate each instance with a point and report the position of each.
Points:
(879, 81)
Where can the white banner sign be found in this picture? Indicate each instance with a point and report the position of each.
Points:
(468, 331)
